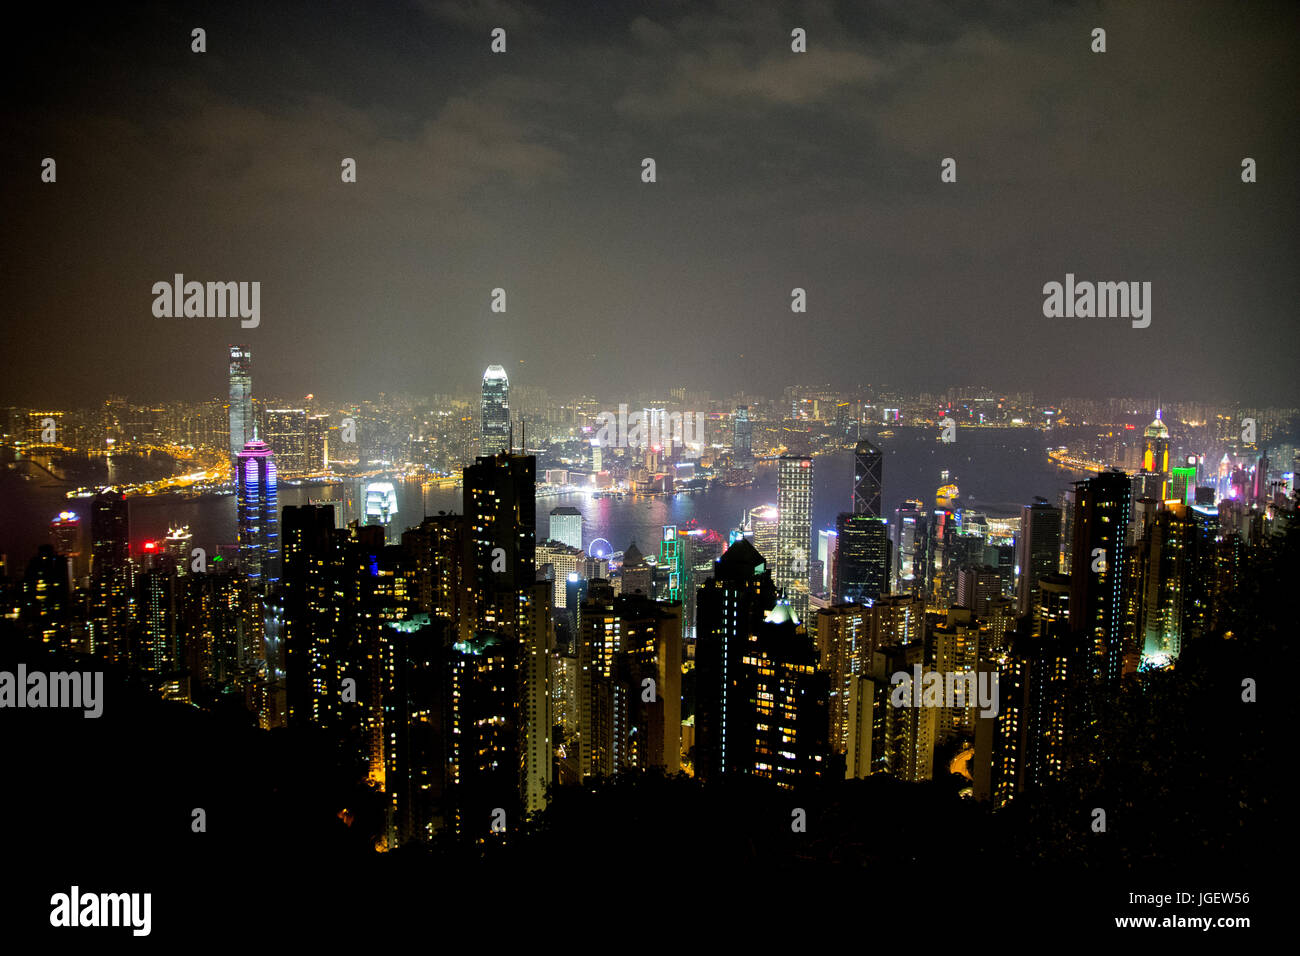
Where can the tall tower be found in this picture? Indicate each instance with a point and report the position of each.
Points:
(867, 470)
(761, 704)
(501, 511)
(761, 529)
(495, 435)
(861, 559)
(306, 659)
(110, 576)
(512, 612)
(1097, 611)
(911, 539)
(1037, 550)
(286, 433)
(65, 533)
(258, 513)
(742, 436)
(1155, 460)
(794, 489)
(241, 398)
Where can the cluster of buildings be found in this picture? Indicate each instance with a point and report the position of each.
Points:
(479, 659)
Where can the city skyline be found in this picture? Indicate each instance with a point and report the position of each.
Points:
(519, 471)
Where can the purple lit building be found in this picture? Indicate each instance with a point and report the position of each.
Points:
(259, 523)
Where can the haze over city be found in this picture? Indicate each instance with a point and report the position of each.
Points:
(522, 171)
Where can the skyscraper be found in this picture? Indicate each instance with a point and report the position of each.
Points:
(1037, 549)
(794, 490)
(1155, 460)
(1097, 611)
(495, 434)
(911, 537)
(623, 641)
(110, 576)
(977, 585)
(861, 559)
(827, 545)
(307, 592)
(742, 436)
(258, 514)
(501, 512)
(241, 398)
(762, 706)
(867, 471)
(566, 526)
(286, 433)
(65, 534)
(512, 612)
(761, 530)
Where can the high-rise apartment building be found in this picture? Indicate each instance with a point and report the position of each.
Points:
(1037, 549)
(1097, 610)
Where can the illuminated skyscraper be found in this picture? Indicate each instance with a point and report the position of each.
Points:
(1097, 612)
(623, 641)
(286, 433)
(761, 525)
(511, 612)
(306, 648)
(742, 436)
(1037, 549)
(241, 398)
(65, 534)
(258, 513)
(794, 490)
(867, 471)
(415, 730)
(861, 559)
(1174, 570)
(911, 537)
(45, 596)
(827, 544)
(762, 706)
(1155, 460)
(977, 586)
(495, 433)
(110, 577)
(179, 544)
(566, 526)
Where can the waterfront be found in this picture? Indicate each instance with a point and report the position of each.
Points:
(997, 471)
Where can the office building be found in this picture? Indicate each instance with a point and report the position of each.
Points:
(495, 412)
(242, 421)
(794, 491)
(257, 508)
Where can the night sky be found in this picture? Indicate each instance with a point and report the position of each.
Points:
(775, 169)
